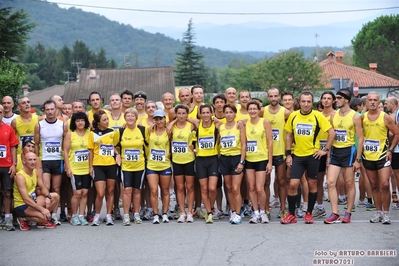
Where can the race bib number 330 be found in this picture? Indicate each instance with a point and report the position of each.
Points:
(179, 147)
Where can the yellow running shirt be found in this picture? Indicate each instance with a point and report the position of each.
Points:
(79, 154)
(159, 152)
(102, 142)
(375, 145)
(25, 129)
(344, 130)
(256, 142)
(305, 129)
(230, 141)
(206, 140)
(30, 184)
(277, 122)
(132, 154)
(181, 140)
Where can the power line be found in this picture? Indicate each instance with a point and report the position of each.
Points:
(224, 13)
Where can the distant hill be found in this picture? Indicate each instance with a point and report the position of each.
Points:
(57, 27)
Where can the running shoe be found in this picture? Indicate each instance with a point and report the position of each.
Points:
(370, 207)
(299, 213)
(137, 219)
(117, 214)
(63, 217)
(226, 210)
(289, 219)
(385, 219)
(237, 219)
(209, 219)
(395, 207)
(201, 214)
(317, 213)
(23, 224)
(269, 216)
(171, 214)
(148, 215)
(165, 218)
(264, 219)
(155, 219)
(75, 220)
(142, 213)
(254, 219)
(353, 208)
(90, 217)
(377, 218)
(347, 218)
(189, 218)
(126, 220)
(8, 225)
(333, 219)
(96, 220)
(55, 220)
(362, 204)
(282, 214)
(248, 210)
(308, 218)
(217, 215)
(69, 215)
(46, 224)
(242, 211)
(304, 207)
(131, 215)
(83, 220)
(109, 220)
(342, 202)
(275, 203)
(182, 218)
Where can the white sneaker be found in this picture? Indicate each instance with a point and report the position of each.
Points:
(385, 219)
(275, 203)
(165, 218)
(96, 220)
(218, 215)
(254, 219)
(126, 220)
(109, 220)
(264, 219)
(137, 219)
(55, 220)
(236, 220)
(189, 218)
(148, 215)
(155, 219)
(182, 218)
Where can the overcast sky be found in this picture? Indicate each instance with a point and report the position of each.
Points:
(143, 18)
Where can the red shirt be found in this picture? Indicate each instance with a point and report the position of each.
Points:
(8, 139)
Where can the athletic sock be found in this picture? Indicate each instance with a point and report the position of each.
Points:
(291, 203)
(370, 200)
(312, 201)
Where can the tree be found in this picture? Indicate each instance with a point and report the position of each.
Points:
(290, 71)
(11, 77)
(189, 66)
(378, 42)
(14, 31)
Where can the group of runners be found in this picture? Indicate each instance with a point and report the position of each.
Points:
(131, 155)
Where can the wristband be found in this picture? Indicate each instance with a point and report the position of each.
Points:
(288, 152)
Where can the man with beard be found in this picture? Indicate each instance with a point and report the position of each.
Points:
(277, 115)
(140, 98)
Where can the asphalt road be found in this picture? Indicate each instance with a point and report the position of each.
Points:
(207, 244)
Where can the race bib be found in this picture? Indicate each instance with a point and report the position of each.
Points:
(304, 129)
(106, 150)
(132, 155)
(206, 143)
(3, 151)
(52, 147)
(228, 142)
(276, 134)
(340, 135)
(179, 147)
(252, 146)
(81, 156)
(323, 144)
(158, 155)
(371, 145)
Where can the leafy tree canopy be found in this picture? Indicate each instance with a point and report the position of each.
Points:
(378, 42)
(11, 77)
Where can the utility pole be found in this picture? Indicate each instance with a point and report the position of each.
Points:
(77, 64)
(317, 49)
(67, 73)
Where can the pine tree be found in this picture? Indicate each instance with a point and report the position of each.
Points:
(189, 67)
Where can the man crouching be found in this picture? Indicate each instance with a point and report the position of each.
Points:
(27, 205)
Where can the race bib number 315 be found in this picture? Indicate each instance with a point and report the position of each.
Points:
(158, 155)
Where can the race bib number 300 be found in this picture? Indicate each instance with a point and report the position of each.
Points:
(106, 150)
(206, 143)
(228, 142)
(304, 129)
(81, 156)
(158, 155)
(132, 155)
(371, 145)
(179, 147)
(252, 146)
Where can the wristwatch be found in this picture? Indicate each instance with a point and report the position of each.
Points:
(358, 160)
(49, 196)
(325, 149)
(242, 162)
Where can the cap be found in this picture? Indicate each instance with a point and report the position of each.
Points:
(159, 113)
(27, 140)
(140, 95)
